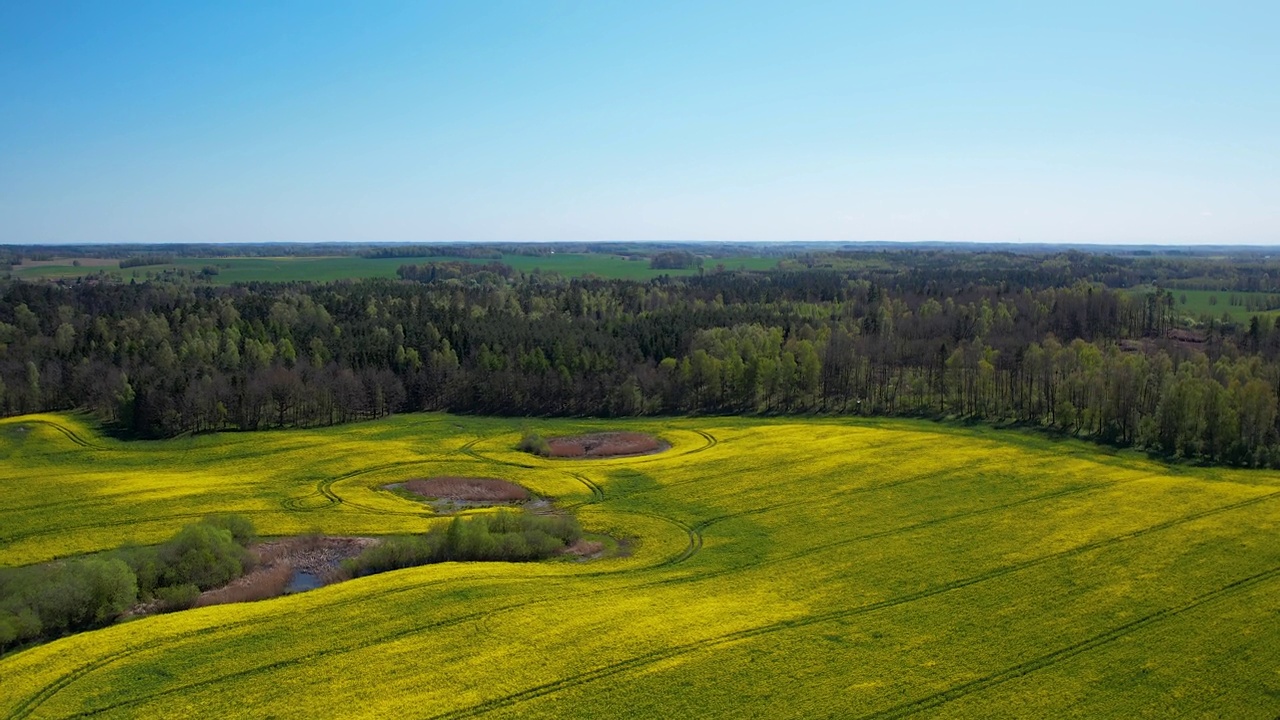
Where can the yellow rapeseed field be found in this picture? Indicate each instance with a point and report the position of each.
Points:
(773, 568)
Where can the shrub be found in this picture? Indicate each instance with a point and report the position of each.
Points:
(18, 628)
(202, 555)
(147, 568)
(534, 443)
(112, 587)
(56, 598)
(240, 527)
(155, 566)
(177, 597)
(504, 535)
(48, 600)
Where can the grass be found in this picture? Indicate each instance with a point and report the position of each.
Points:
(321, 269)
(1215, 303)
(777, 568)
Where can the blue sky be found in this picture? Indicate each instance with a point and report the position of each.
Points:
(428, 121)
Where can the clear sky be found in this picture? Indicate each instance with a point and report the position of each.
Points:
(1073, 121)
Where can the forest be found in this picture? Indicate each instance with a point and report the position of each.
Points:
(1085, 344)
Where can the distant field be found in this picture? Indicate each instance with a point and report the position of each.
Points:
(780, 569)
(321, 269)
(1216, 302)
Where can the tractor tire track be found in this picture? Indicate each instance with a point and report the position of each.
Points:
(63, 681)
(689, 550)
(889, 532)
(686, 648)
(791, 462)
(482, 617)
(811, 500)
(695, 544)
(597, 492)
(710, 441)
(1070, 651)
(28, 706)
(302, 659)
(324, 489)
(648, 658)
(469, 450)
(69, 434)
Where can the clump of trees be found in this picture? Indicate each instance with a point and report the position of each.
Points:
(673, 260)
(147, 259)
(46, 601)
(433, 271)
(513, 536)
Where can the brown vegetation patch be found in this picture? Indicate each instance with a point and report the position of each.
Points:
(278, 560)
(605, 444)
(262, 583)
(468, 489)
(584, 548)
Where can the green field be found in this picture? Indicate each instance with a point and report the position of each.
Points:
(1195, 304)
(779, 568)
(321, 269)
(1215, 303)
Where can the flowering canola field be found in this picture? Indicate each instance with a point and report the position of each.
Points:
(774, 568)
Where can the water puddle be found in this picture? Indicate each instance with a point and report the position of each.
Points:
(302, 581)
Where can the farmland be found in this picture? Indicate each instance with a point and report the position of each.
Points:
(1236, 306)
(1215, 304)
(778, 568)
(323, 269)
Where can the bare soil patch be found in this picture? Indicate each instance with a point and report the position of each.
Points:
(467, 489)
(605, 445)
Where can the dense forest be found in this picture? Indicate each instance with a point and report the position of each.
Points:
(1064, 341)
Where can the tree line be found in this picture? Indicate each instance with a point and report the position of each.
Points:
(1002, 343)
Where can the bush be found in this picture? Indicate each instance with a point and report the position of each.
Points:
(504, 535)
(240, 527)
(113, 589)
(48, 600)
(202, 555)
(18, 628)
(177, 597)
(155, 566)
(148, 569)
(533, 443)
(52, 599)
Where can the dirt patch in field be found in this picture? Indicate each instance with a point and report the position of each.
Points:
(605, 445)
(450, 494)
(467, 489)
(280, 561)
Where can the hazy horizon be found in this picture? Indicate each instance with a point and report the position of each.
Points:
(1089, 124)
